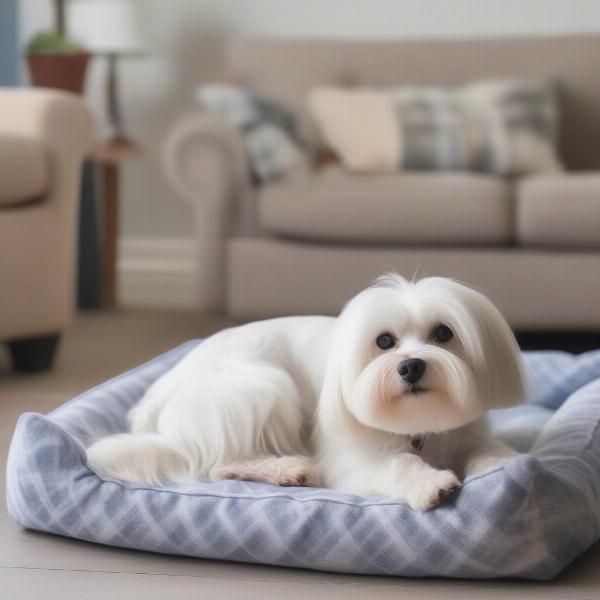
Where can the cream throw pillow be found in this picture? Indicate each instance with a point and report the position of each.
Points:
(359, 126)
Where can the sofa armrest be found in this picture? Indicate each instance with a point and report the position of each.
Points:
(206, 163)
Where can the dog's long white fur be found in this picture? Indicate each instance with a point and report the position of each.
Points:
(320, 387)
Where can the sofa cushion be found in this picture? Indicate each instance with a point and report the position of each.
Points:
(559, 210)
(23, 169)
(442, 208)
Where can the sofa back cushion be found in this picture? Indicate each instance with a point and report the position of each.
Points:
(287, 69)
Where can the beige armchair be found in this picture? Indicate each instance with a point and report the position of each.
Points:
(44, 137)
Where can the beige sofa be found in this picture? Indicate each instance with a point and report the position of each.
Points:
(307, 243)
(44, 136)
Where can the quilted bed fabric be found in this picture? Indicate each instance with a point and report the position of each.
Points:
(529, 519)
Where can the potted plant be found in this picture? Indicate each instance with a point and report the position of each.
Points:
(56, 61)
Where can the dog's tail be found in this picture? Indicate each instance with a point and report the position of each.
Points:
(145, 458)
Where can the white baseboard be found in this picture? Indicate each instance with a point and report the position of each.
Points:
(156, 273)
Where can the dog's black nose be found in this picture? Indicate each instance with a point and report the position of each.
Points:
(412, 370)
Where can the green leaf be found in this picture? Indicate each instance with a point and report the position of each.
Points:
(50, 42)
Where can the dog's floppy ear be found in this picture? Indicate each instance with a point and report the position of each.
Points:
(488, 342)
(503, 381)
(338, 380)
(348, 353)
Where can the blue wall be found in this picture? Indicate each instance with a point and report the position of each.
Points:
(9, 43)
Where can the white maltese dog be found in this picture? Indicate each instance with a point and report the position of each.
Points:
(389, 399)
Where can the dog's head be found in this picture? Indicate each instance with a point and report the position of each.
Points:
(419, 357)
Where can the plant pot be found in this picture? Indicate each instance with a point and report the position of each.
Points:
(61, 71)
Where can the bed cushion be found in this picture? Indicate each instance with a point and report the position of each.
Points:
(529, 519)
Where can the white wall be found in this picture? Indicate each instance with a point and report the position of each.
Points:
(186, 41)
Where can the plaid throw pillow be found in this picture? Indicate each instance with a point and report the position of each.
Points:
(501, 127)
(270, 132)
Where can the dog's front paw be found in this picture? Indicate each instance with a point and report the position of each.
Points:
(431, 490)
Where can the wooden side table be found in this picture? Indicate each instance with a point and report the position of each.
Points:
(108, 157)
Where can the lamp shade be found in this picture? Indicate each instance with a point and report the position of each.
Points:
(107, 26)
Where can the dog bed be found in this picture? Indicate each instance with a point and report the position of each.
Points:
(529, 519)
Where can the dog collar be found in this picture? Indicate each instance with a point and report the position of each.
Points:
(417, 442)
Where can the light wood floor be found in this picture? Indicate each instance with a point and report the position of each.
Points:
(41, 566)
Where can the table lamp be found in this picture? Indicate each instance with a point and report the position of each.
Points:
(111, 28)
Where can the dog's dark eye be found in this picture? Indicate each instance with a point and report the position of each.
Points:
(385, 341)
(442, 333)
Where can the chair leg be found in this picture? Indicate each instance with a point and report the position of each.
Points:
(33, 354)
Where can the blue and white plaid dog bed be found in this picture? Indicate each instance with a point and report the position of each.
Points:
(529, 519)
